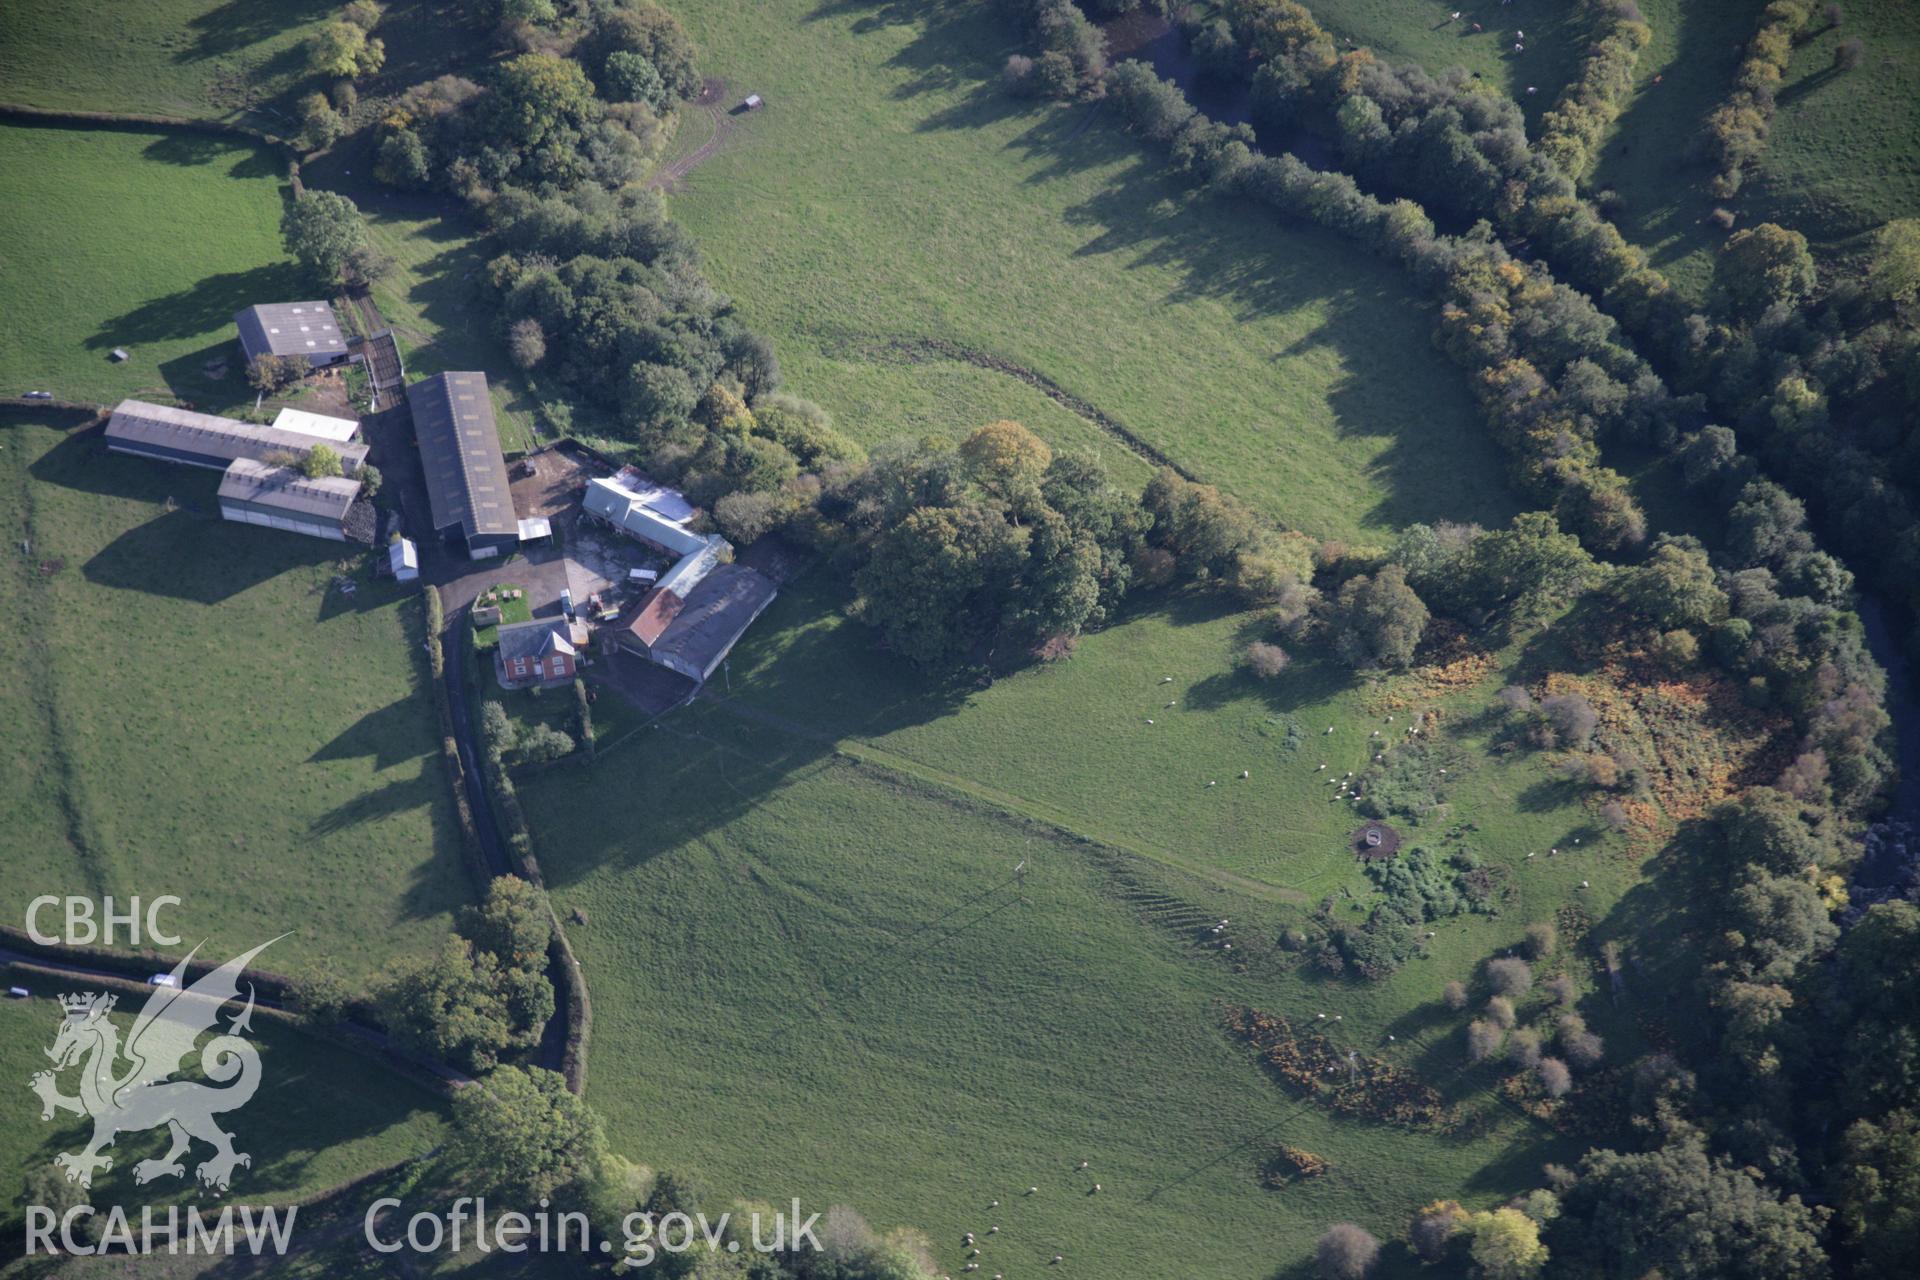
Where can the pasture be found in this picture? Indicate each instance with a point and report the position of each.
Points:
(209, 716)
(323, 1115)
(891, 195)
(812, 898)
(193, 59)
(137, 239)
(1838, 161)
(1422, 31)
(1841, 158)
(886, 1016)
(242, 61)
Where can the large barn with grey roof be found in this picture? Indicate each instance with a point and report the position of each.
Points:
(467, 490)
(167, 434)
(304, 329)
(257, 486)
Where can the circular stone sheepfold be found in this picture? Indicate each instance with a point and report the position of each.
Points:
(1375, 842)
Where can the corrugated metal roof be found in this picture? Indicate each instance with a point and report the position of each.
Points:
(290, 329)
(460, 449)
(689, 569)
(136, 423)
(653, 619)
(715, 616)
(285, 489)
(628, 509)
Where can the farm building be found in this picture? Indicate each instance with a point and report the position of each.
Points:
(338, 430)
(466, 473)
(652, 514)
(305, 329)
(166, 434)
(537, 652)
(404, 559)
(714, 615)
(281, 497)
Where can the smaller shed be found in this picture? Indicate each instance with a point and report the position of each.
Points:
(753, 102)
(318, 425)
(404, 558)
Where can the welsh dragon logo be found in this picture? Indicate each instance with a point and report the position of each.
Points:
(127, 1088)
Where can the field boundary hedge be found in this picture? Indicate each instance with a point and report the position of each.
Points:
(127, 969)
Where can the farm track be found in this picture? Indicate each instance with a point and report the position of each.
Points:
(899, 350)
(712, 95)
(954, 789)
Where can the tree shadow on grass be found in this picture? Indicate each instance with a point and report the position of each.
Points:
(388, 735)
(417, 792)
(240, 23)
(204, 307)
(187, 377)
(188, 149)
(1435, 461)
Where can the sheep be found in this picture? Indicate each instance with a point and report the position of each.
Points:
(994, 1231)
(1213, 784)
(1583, 884)
(1083, 1163)
(1032, 1191)
(1329, 728)
(1166, 679)
(993, 1204)
(1096, 1188)
(1245, 773)
(1058, 1259)
(1321, 769)
(1170, 704)
(1149, 719)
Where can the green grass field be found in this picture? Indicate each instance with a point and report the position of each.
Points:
(210, 718)
(1648, 160)
(891, 193)
(323, 1115)
(808, 899)
(1421, 31)
(1841, 158)
(194, 59)
(884, 1016)
(142, 240)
